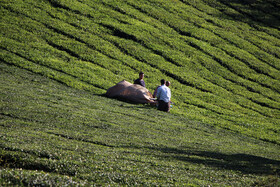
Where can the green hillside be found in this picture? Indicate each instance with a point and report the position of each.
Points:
(58, 58)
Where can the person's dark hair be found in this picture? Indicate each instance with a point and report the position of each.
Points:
(141, 73)
(162, 81)
(167, 83)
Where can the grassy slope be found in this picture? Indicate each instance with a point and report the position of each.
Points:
(223, 59)
(55, 135)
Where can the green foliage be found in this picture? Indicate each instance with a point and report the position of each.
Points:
(222, 57)
(52, 134)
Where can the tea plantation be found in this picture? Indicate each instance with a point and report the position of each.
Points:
(58, 58)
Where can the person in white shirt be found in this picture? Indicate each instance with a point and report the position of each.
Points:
(163, 97)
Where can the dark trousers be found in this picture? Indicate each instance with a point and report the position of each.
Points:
(163, 106)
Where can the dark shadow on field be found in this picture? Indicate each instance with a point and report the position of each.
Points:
(253, 12)
(244, 163)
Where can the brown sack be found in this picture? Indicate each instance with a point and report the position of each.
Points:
(131, 92)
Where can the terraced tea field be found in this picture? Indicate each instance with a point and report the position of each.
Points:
(222, 58)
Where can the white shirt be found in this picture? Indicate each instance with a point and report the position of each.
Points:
(164, 93)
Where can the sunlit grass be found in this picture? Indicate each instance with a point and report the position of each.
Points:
(222, 60)
(52, 134)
